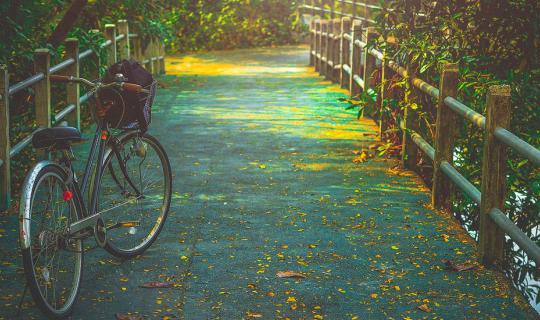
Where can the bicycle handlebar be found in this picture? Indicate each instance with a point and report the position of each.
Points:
(129, 87)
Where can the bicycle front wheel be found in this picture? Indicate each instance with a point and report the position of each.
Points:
(52, 259)
(135, 193)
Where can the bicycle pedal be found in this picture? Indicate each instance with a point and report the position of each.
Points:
(100, 232)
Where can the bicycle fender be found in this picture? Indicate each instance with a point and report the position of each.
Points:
(26, 199)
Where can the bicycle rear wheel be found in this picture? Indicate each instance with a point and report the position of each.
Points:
(134, 202)
(52, 260)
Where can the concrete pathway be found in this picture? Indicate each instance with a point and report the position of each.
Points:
(267, 178)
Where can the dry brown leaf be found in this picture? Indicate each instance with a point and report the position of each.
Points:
(155, 284)
(290, 274)
(424, 307)
(254, 315)
(458, 267)
(361, 158)
(120, 316)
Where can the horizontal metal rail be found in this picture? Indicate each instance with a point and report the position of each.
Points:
(347, 36)
(120, 37)
(359, 81)
(85, 54)
(347, 69)
(105, 44)
(26, 83)
(359, 43)
(520, 146)
(460, 181)
(339, 13)
(466, 112)
(62, 65)
(362, 4)
(426, 88)
(516, 234)
(376, 53)
(423, 145)
(22, 144)
(397, 68)
(85, 97)
(63, 113)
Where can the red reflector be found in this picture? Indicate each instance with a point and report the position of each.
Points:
(68, 195)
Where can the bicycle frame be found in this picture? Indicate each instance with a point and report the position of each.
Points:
(87, 217)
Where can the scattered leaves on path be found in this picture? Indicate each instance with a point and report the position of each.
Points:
(253, 315)
(458, 267)
(424, 307)
(362, 157)
(155, 284)
(121, 316)
(290, 274)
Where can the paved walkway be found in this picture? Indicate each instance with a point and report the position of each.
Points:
(264, 181)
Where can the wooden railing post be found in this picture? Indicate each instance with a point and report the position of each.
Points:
(161, 57)
(336, 57)
(5, 168)
(96, 62)
(324, 46)
(384, 94)
(409, 150)
(345, 51)
(312, 42)
(149, 54)
(42, 89)
(498, 108)
(124, 51)
(445, 136)
(329, 49)
(370, 61)
(318, 42)
(72, 89)
(137, 49)
(155, 55)
(355, 63)
(110, 34)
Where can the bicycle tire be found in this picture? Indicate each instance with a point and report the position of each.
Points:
(40, 172)
(113, 245)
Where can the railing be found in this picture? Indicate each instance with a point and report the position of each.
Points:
(354, 9)
(339, 51)
(119, 44)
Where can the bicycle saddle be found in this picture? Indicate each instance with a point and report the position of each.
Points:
(59, 137)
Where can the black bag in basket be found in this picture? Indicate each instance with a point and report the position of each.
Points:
(128, 110)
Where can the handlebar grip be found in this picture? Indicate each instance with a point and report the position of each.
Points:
(58, 78)
(132, 87)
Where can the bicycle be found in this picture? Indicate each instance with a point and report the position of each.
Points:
(128, 201)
